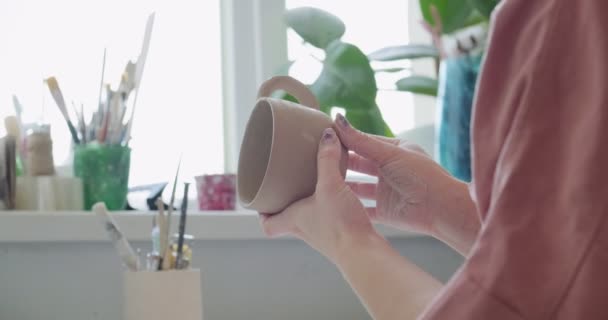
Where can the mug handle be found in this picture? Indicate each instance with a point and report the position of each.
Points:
(291, 86)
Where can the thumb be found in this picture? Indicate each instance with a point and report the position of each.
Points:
(365, 145)
(328, 160)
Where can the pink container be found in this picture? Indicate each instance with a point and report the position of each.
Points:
(216, 191)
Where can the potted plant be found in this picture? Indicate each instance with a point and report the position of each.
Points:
(347, 79)
(459, 31)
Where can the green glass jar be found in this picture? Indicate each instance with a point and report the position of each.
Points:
(104, 170)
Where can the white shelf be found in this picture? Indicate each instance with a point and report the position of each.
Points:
(82, 226)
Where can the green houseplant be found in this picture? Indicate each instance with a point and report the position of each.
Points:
(461, 53)
(347, 79)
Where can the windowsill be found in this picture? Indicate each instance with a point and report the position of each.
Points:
(82, 226)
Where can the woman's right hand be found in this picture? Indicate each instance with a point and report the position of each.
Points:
(413, 192)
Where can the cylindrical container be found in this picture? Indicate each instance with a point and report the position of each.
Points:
(39, 154)
(161, 295)
(49, 193)
(216, 191)
(104, 170)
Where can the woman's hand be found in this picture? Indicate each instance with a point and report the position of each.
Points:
(334, 222)
(413, 192)
(333, 217)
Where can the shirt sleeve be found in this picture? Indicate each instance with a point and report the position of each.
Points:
(540, 166)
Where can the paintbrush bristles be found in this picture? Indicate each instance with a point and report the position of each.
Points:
(58, 97)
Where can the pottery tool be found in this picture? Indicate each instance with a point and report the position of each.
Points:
(18, 112)
(121, 244)
(167, 254)
(155, 234)
(105, 113)
(58, 97)
(161, 220)
(103, 71)
(139, 70)
(127, 80)
(182, 228)
(14, 129)
(18, 107)
(8, 172)
(82, 124)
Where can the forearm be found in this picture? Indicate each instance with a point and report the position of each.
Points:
(457, 222)
(390, 286)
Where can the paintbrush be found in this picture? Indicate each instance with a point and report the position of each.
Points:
(163, 234)
(58, 97)
(83, 124)
(79, 122)
(167, 258)
(103, 72)
(124, 249)
(18, 109)
(18, 113)
(182, 228)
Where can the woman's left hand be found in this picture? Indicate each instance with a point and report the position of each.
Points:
(333, 217)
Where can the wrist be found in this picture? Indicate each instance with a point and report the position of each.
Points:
(457, 222)
(352, 248)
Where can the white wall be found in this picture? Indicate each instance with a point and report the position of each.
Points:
(253, 279)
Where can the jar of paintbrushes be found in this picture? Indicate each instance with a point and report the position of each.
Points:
(101, 146)
(101, 153)
(102, 158)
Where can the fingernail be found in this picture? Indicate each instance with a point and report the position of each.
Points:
(328, 136)
(342, 121)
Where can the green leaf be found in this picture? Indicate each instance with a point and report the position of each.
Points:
(418, 84)
(390, 70)
(387, 131)
(475, 19)
(346, 80)
(368, 120)
(485, 7)
(280, 94)
(454, 13)
(315, 26)
(410, 51)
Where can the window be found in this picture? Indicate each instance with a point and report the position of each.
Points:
(206, 61)
(179, 108)
(370, 26)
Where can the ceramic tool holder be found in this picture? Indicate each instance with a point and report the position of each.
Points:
(49, 193)
(39, 159)
(162, 295)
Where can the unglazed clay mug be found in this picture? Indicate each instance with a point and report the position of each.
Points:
(278, 158)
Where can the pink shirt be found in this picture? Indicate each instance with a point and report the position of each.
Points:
(540, 169)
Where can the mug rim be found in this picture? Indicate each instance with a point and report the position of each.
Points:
(263, 182)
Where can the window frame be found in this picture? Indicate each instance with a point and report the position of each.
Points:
(254, 47)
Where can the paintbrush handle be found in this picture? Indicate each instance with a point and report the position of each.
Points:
(73, 131)
(182, 228)
(124, 249)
